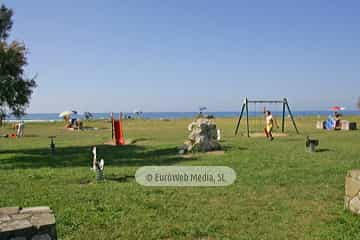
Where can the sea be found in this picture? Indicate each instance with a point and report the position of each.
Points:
(45, 117)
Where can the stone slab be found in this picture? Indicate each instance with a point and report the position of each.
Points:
(35, 210)
(21, 216)
(41, 220)
(9, 210)
(15, 225)
(37, 223)
(4, 218)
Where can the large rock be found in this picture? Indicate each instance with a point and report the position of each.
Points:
(352, 191)
(203, 136)
(28, 223)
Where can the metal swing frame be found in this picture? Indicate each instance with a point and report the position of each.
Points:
(245, 107)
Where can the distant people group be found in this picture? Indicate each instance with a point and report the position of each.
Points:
(19, 130)
(73, 123)
(333, 122)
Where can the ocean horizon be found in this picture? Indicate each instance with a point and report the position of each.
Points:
(173, 115)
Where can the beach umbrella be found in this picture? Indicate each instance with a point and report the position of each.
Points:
(337, 108)
(66, 114)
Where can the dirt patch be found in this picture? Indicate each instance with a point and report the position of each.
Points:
(112, 143)
(263, 135)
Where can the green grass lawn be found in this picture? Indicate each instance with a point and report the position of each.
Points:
(281, 191)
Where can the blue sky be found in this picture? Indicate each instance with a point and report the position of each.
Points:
(157, 55)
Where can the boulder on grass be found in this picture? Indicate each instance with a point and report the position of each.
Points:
(203, 137)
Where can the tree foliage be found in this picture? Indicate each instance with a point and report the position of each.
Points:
(15, 88)
(5, 22)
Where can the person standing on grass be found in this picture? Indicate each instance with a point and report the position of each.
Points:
(270, 121)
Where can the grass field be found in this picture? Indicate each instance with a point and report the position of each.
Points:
(281, 191)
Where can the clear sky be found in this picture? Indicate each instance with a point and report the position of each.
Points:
(176, 55)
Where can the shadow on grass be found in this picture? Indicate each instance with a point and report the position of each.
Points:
(228, 148)
(129, 155)
(140, 140)
(323, 150)
(119, 179)
(31, 136)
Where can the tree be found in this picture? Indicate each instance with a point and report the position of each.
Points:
(358, 103)
(15, 88)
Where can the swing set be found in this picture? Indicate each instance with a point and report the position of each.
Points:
(245, 108)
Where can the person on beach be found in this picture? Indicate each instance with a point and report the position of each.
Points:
(270, 121)
(337, 121)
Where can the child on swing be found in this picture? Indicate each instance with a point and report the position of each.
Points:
(270, 121)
